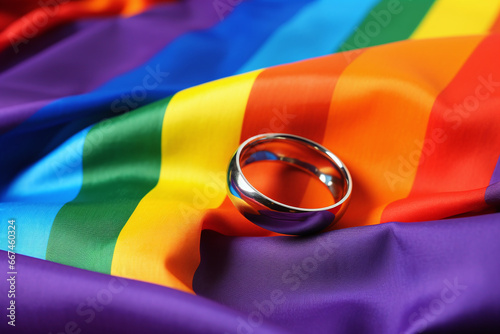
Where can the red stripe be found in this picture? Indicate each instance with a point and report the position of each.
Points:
(52, 13)
(496, 26)
(293, 98)
(430, 206)
(462, 142)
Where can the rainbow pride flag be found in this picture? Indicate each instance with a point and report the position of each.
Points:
(118, 119)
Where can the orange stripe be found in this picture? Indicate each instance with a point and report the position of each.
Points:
(293, 98)
(381, 105)
(463, 156)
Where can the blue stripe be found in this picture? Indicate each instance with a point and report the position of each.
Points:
(190, 60)
(315, 31)
(35, 197)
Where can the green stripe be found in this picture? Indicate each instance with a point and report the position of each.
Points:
(389, 21)
(121, 164)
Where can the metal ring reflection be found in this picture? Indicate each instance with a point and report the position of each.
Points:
(301, 153)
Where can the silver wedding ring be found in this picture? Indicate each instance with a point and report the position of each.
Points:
(302, 153)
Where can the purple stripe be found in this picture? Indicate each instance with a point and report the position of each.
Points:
(387, 278)
(51, 297)
(109, 47)
(492, 195)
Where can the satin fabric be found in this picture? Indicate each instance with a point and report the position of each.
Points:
(117, 124)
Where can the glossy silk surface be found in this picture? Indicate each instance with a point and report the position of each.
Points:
(118, 120)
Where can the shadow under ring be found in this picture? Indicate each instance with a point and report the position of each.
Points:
(304, 154)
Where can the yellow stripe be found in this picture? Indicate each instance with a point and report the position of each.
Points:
(458, 17)
(201, 130)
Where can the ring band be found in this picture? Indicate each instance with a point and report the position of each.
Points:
(302, 153)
